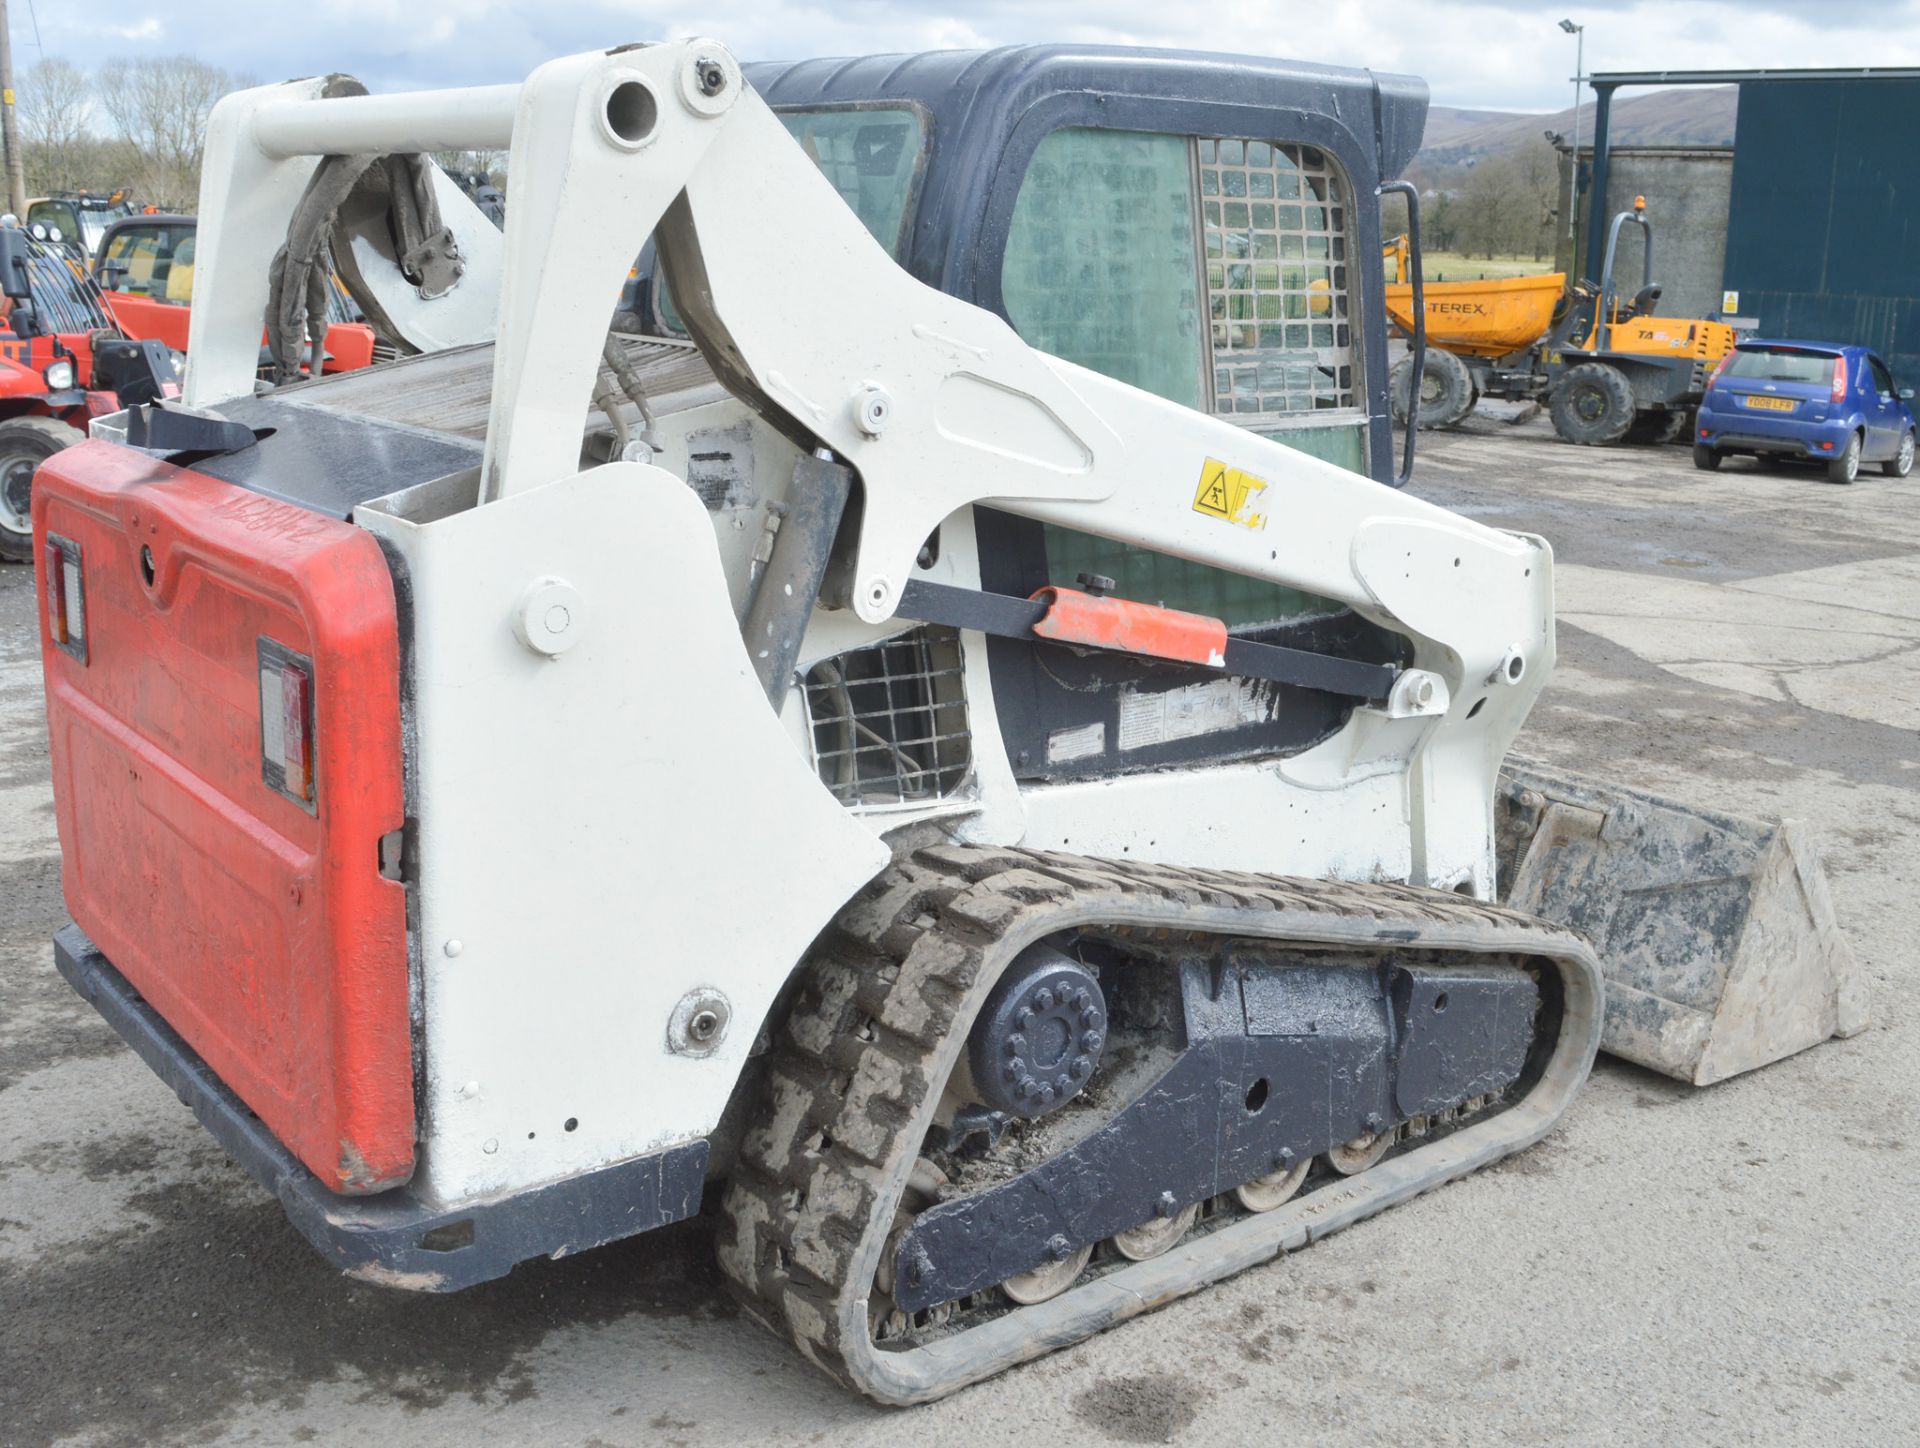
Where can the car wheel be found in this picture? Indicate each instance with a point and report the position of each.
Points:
(1901, 463)
(1593, 405)
(1706, 458)
(1846, 467)
(1446, 389)
(25, 443)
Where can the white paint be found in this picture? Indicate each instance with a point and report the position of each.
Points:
(1229, 817)
(610, 833)
(247, 198)
(465, 314)
(596, 828)
(550, 617)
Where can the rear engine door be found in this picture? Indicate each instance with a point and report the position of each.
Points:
(223, 712)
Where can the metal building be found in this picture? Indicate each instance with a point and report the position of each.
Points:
(1823, 215)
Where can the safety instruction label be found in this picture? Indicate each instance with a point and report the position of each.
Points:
(1229, 494)
(1187, 713)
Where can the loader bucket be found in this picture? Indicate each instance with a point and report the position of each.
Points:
(1716, 934)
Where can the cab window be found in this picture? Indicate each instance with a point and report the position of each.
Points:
(150, 261)
(1100, 263)
(871, 154)
(1210, 271)
(1275, 220)
(54, 215)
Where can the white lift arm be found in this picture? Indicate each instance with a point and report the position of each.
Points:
(934, 403)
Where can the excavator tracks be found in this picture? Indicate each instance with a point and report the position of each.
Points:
(881, 1016)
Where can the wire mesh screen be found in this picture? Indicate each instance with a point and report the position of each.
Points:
(888, 722)
(1276, 257)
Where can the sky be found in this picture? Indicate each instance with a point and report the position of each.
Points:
(1491, 54)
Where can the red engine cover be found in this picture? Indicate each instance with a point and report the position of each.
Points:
(266, 935)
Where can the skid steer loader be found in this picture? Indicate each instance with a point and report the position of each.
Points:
(1024, 846)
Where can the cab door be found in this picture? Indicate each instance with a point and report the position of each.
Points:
(1881, 404)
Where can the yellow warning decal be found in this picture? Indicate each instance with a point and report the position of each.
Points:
(1229, 494)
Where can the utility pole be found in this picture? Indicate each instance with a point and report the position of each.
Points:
(9, 129)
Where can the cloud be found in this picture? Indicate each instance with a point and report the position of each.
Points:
(1494, 54)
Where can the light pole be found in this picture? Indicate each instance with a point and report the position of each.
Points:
(1579, 34)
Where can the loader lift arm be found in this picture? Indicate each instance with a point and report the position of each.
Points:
(934, 404)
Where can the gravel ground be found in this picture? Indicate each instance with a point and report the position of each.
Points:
(1725, 1266)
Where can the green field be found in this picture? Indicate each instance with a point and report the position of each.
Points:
(1451, 266)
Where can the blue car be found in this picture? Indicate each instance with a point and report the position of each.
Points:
(1816, 400)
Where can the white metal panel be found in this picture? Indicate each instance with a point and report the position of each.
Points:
(600, 833)
(477, 118)
(1230, 817)
(585, 196)
(262, 148)
(461, 317)
(246, 200)
(1489, 597)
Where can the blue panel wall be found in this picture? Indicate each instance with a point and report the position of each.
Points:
(1823, 232)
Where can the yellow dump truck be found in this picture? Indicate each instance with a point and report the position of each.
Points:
(1607, 368)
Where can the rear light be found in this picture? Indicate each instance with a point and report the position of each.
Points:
(286, 723)
(1839, 393)
(66, 597)
(1726, 359)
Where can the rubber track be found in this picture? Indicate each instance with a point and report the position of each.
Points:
(877, 1022)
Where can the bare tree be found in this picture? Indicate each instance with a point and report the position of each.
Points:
(160, 104)
(55, 106)
(1489, 203)
(1538, 173)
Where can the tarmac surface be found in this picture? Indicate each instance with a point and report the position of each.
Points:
(1731, 1265)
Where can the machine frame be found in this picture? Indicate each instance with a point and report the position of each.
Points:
(552, 988)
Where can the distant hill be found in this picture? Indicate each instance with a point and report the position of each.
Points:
(1456, 140)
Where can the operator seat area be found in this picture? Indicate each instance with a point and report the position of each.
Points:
(1644, 302)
